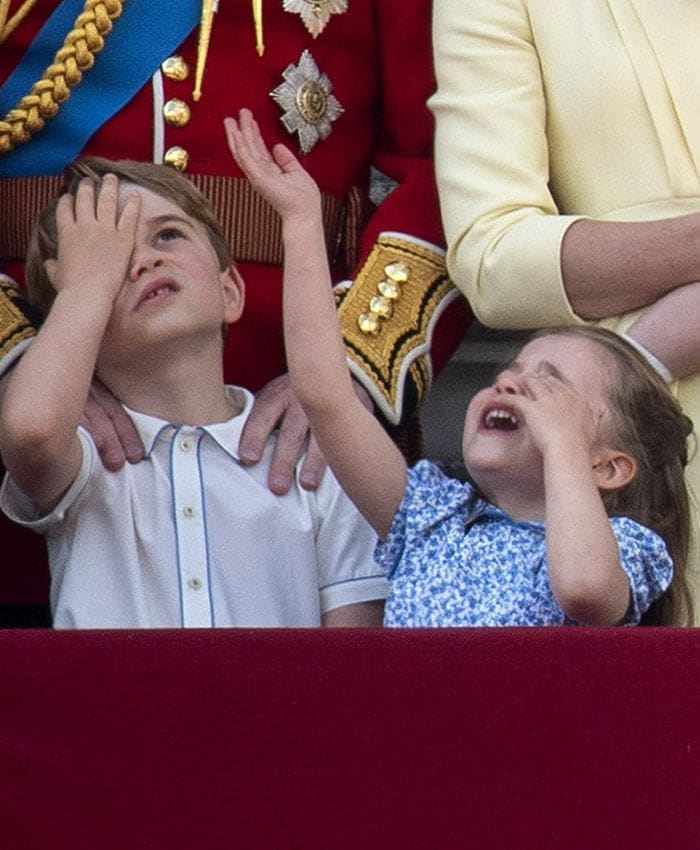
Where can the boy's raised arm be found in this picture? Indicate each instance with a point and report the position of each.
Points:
(46, 393)
(369, 466)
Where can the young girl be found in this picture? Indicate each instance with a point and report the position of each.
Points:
(576, 511)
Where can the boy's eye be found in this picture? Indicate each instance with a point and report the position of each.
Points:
(167, 234)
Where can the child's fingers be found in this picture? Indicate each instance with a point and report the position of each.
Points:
(251, 134)
(239, 140)
(285, 159)
(50, 268)
(85, 199)
(247, 144)
(233, 136)
(65, 211)
(129, 215)
(277, 175)
(239, 146)
(106, 203)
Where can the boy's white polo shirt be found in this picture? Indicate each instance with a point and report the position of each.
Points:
(191, 537)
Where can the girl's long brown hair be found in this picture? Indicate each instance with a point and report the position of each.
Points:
(650, 425)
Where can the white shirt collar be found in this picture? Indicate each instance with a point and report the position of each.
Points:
(227, 434)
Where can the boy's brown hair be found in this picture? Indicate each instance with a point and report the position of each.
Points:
(161, 179)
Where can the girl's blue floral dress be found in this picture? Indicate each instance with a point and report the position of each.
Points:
(454, 559)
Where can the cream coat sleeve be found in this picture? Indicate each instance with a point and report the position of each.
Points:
(501, 221)
(550, 110)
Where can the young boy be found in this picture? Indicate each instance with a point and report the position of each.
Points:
(134, 272)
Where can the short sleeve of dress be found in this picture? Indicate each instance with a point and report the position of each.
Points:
(430, 497)
(645, 559)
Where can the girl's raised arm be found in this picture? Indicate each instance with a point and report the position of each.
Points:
(367, 463)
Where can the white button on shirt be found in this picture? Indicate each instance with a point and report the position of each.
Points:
(191, 537)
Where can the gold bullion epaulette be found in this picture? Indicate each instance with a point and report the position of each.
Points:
(387, 319)
(14, 324)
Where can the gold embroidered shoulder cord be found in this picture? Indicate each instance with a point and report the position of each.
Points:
(77, 55)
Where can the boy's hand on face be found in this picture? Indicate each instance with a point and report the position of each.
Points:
(278, 176)
(556, 415)
(95, 240)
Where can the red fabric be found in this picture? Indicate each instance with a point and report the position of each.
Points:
(382, 75)
(24, 575)
(492, 739)
(378, 58)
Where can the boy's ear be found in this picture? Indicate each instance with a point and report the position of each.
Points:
(233, 289)
(613, 469)
(50, 267)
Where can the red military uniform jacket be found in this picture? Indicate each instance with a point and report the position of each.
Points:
(377, 63)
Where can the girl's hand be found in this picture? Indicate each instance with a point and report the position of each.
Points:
(95, 240)
(556, 414)
(278, 176)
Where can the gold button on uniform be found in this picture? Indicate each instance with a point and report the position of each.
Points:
(175, 68)
(176, 113)
(389, 289)
(397, 271)
(177, 157)
(381, 306)
(368, 323)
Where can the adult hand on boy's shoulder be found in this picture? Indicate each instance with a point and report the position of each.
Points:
(276, 406)
(111, 429)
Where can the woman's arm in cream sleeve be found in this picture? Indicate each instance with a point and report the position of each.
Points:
(516, 258)
(611, 267)
(501, 223)
(669, 329)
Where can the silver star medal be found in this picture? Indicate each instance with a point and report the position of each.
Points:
(309, 107)
(315, 13)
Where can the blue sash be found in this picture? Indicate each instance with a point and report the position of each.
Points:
(146, 33)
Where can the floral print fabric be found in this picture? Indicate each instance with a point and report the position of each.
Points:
(454, 559)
